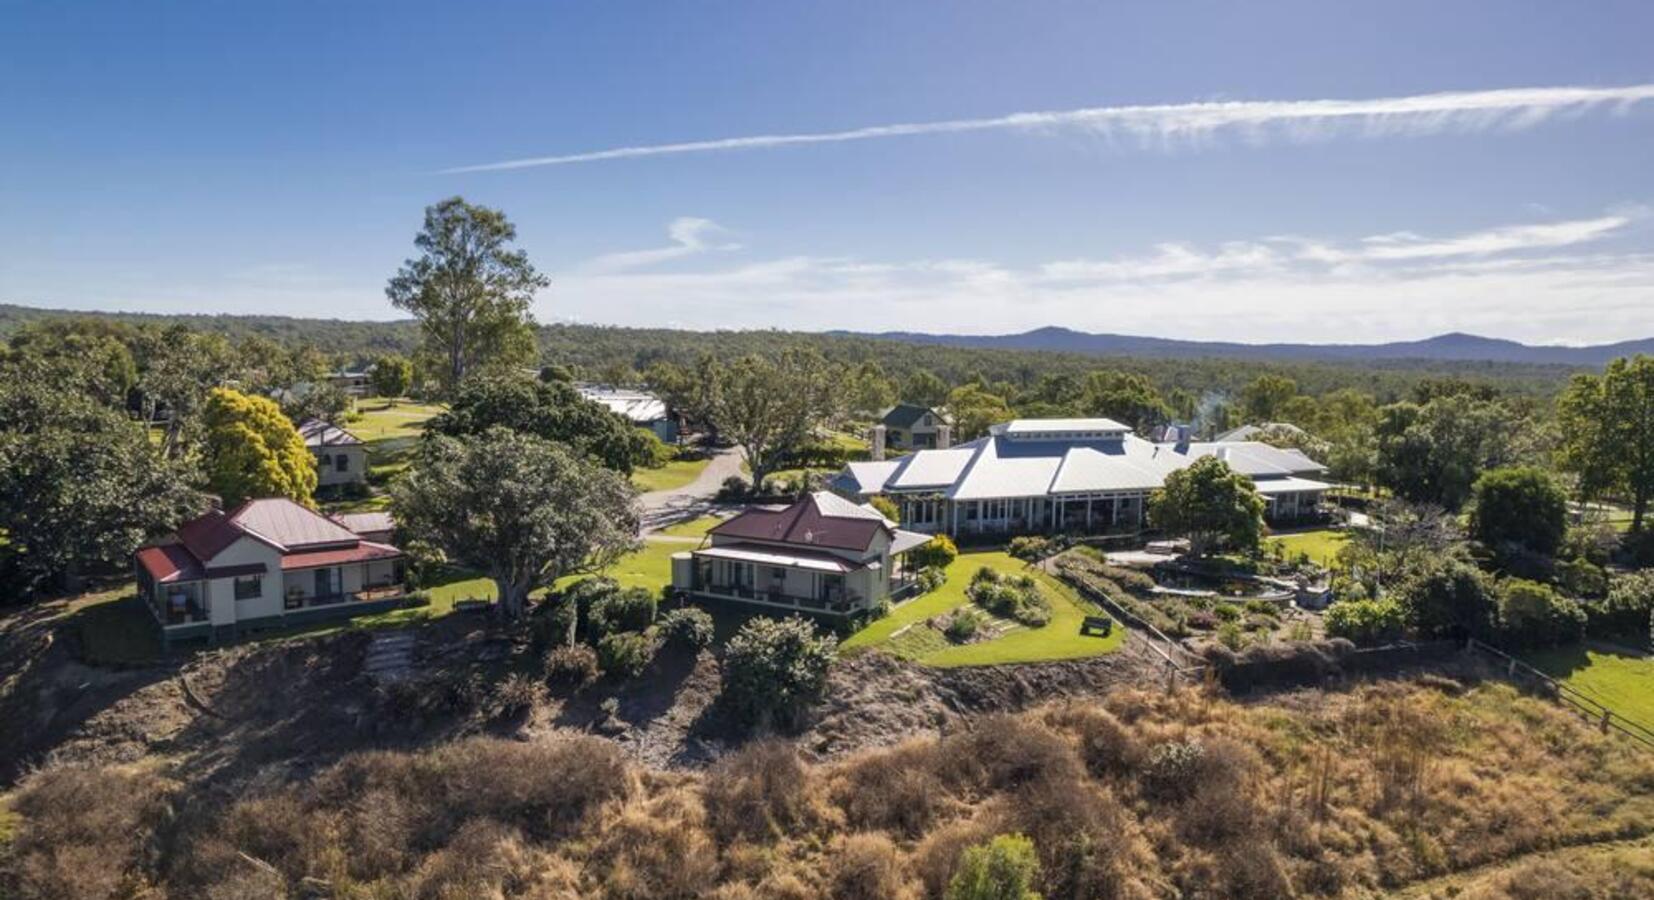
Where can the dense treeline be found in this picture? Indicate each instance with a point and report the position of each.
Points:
(612, 353)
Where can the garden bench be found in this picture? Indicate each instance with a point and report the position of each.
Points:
(1102, 624)
(473, 605)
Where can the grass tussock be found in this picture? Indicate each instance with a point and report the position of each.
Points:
(1145, 795)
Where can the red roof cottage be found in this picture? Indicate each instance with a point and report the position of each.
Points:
(266, 563)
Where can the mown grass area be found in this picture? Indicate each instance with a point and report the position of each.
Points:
(692, 528)
(1059, 639)
(379, 420)
(1619, 679)
(669, 477)
(1320, 546)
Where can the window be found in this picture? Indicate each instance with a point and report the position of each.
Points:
(249, 588)
(343, 463)
(325, 460)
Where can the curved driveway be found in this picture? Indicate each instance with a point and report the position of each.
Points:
(663, 508)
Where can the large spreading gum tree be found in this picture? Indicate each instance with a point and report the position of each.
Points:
(523, 510)
(1607, 426)
(469, 290)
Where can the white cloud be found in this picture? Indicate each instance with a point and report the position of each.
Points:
(1166, 124)
(1528, 282)
(690, 236)
(1405, 245)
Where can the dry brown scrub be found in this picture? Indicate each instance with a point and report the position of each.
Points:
(1142, 795)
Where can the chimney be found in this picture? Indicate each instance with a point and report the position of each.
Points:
(877, 452)
(1184, 433)
(944, 436)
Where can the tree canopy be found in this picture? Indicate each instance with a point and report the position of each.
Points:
(523, 510)
(1210, 504)
(81, 485)
(552, 411)
(392, 376)
(251, 450)
(1520, 506)
(1607, 432)
(1433, 453)
(771, 406)
(469, 291)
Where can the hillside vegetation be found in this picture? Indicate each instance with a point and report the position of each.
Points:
(603, 352)
(1360, 793)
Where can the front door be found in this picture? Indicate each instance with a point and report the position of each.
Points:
(324, 583)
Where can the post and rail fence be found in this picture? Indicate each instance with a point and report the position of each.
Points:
(1605, 716)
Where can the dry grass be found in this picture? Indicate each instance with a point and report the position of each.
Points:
(1387, 787)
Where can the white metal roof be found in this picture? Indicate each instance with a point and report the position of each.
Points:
(754, 553)
(1060, 429)
(1131, 464)
(1267, 486)
(933, 468)
(639, 406)
(907, 540)
(1255, 459)
(866, 477)
(1086, 460)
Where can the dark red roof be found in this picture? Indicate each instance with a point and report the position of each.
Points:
(169, 562)
(363, 552)
(803, 524)
(207, 536)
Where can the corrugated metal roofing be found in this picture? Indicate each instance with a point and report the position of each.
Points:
(320, 433)
(289, 525)
(866, 477)
(1001, 466)
(169, 562)
(640, 407)
(362, 552)
(801, 559)
(822, 519)
(1267, 486)
(933, 468)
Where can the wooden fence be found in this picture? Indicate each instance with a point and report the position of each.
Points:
(1180, 663)
(1605, 716)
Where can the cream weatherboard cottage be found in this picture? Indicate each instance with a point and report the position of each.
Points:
(265, 564)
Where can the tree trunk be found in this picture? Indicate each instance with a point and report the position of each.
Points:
(1639, 506)
(760, 471)
(511, 601)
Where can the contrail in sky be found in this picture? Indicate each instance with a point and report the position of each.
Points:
(1254, 120)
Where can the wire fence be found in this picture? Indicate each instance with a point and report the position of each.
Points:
(1606, 717)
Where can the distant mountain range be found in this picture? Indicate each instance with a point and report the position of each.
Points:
(1457, 347)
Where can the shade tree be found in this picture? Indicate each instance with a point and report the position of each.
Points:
(1606, 431)
(81, 484)
(523, 510)
(552, 411)
(1210, 504)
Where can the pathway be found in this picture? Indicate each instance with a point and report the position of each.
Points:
(663, 508)
(390, 656)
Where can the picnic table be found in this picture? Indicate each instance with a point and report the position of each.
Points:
(1100, 624)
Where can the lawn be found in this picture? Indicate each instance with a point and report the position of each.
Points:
(669, 477)
(1620, 681)
(1321, 546)
(379, 421)
(693, 527)
(1060, 639)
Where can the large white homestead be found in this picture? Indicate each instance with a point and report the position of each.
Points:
(1091, 476)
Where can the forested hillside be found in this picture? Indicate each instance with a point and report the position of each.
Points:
(612, 353)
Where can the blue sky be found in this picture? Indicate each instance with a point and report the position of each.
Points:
(275, 158)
